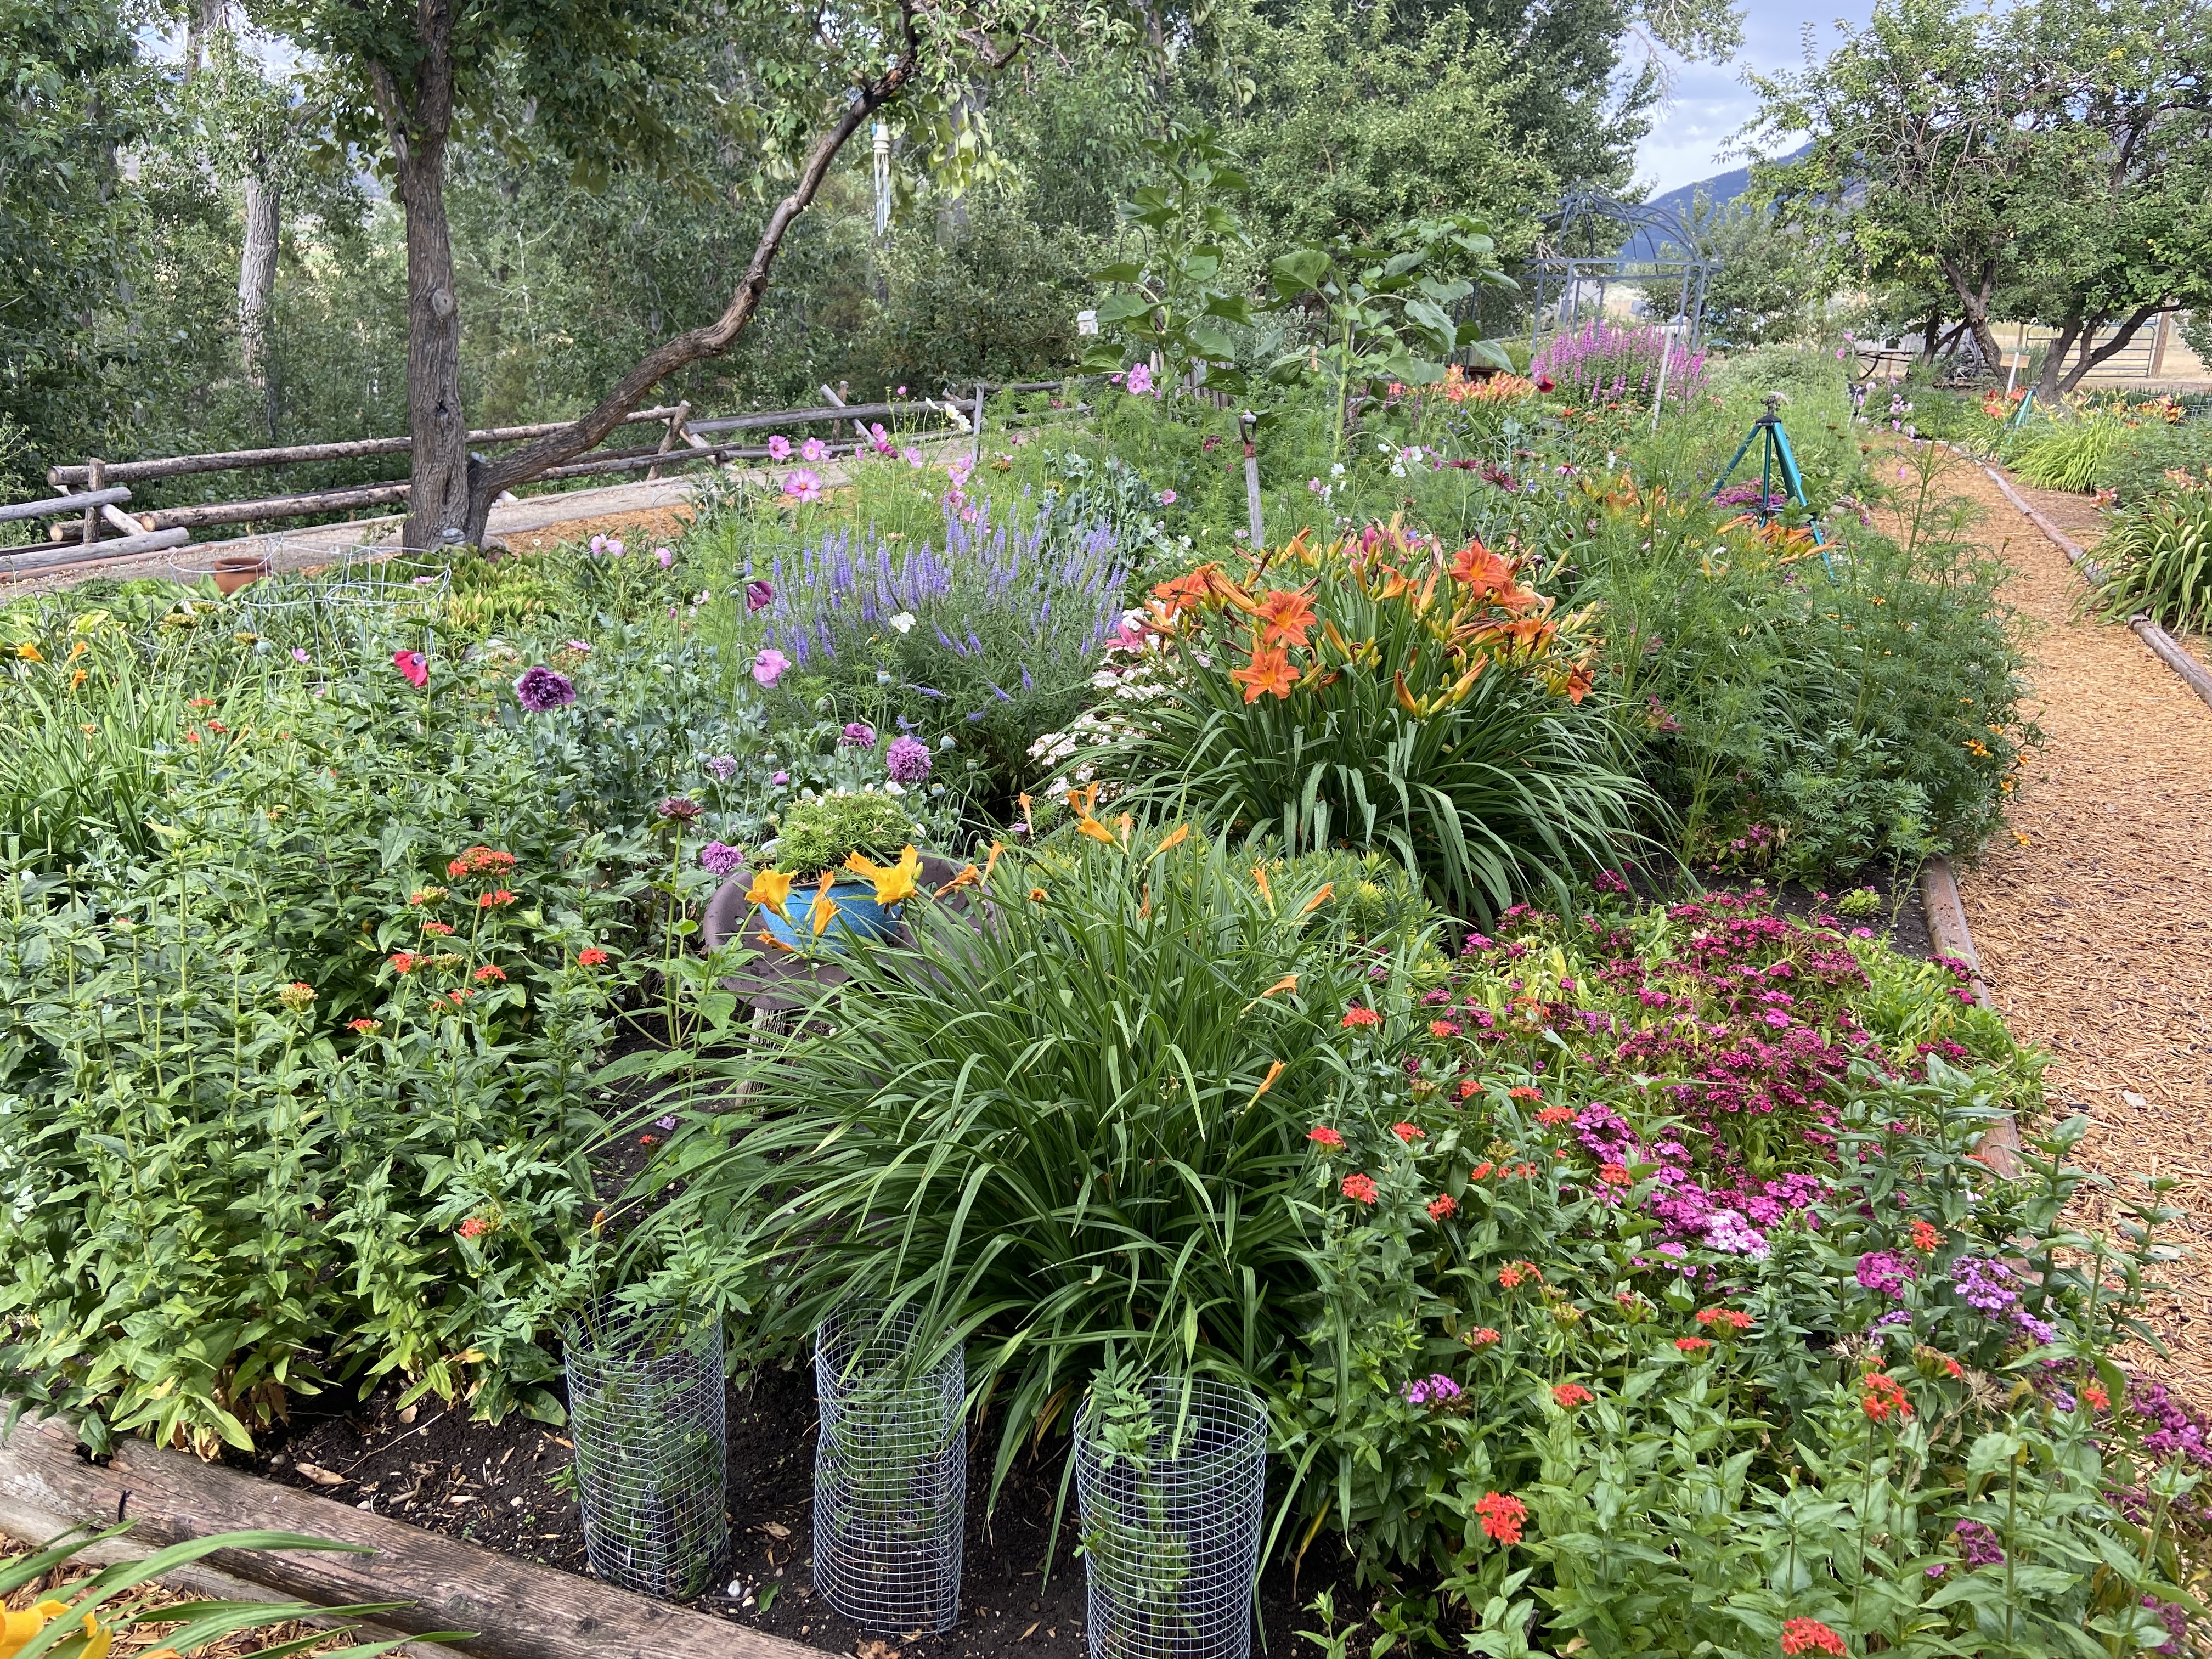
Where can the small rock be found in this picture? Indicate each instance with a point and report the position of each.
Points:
(2133, 1098)
(407, 1414)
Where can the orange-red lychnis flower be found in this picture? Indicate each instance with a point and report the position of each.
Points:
(1322, 1135)
(1442, 1207)
(1361, 1189)
(1568, 1395)
(1726, 1319)
(1482, 1337)
(591, 956)
(1882, 1396)
(1810, 1636)
(403, 961)
(1356, 1017)
(1502, 1516)
(1409, 1133)
(487, 901)
(1693, 1344)
(1553, 1114)
(491, 971)
(1269, 670)
(1925, 1237)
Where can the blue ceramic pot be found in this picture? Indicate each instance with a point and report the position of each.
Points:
(859, 919)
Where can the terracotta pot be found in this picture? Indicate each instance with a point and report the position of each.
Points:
(235, 570)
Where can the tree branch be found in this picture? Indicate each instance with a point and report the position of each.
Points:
(519, 466)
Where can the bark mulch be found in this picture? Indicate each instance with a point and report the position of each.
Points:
(2091, 912)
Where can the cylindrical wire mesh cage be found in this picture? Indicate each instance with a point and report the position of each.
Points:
(891, 1474)
(1169, 1480)
(647, 1411)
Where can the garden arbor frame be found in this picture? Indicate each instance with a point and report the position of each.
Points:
(1587, 240)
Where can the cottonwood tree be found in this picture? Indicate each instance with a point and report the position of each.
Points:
(596, 82)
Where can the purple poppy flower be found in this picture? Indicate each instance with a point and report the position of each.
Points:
(540, 688)
(759, 596)
(859, 734)
(719, 860)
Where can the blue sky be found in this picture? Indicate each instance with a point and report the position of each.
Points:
(1711, 102)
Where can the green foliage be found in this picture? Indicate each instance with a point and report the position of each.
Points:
(820, 834)
(2153, 452)
(1079, 1125)
(86, 1614)
(2157, 561)
(2069, 454)
(1436, 717)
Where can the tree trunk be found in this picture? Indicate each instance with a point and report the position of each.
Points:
(202, 20)
(256, 275)
(2112, 347)
(437, 423)
(2054, 357)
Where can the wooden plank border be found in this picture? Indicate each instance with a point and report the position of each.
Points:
(518, 1609)
(1947, 926)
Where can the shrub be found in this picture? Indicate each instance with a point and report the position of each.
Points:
(1399, 697)
(821, 833)
(2157, 561)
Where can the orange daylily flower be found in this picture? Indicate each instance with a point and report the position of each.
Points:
(1579, 681)
(1259, 881)
(1173, 838)
(1288, 982)
(1269, 671)
(895, 883)
(1274, 1070)
(1327, 892)
(824, 908)
(1285, 615)
(1090, 826)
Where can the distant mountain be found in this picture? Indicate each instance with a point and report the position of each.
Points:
(1722, 187)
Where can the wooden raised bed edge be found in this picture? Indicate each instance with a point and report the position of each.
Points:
(2163, 645)
(518, 1609)
(1947, 927)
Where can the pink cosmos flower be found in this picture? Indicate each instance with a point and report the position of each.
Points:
(778, 448)
(802, 486)
(814, 450)
(1140, 380)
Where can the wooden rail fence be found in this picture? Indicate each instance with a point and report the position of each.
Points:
(86, 521)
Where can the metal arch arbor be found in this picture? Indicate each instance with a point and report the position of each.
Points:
(1593, 223)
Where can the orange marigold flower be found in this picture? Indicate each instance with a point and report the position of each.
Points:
(1442, 1206)
(1322, 1135)
(1358, 1016)
(1925, 1237)
(1568, 1395)
(1409, 1133)
(1269, 670)
(1502, 1516)
(1691, 1343)
(1361, 1189)
(591, 956)
(1810, 1636)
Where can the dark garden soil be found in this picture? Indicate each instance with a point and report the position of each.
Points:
(505, 1487)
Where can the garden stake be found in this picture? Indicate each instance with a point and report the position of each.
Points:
(1774, 450)
(976, 455)
(1248, 423)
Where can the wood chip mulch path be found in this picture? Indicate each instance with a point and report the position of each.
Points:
(2091, 912)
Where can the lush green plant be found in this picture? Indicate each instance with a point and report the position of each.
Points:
(820, 834)
(2072, 452)
(1077, 1124)
(2157, 561)
(106, 1604)
(2156, 455)
(1431, 710)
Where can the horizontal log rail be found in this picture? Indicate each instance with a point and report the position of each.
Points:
(54, 505)
(685, 442)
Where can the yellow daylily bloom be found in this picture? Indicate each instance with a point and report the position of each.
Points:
(895, 883)
(771, 890)
(1090, 826)
(17, 1628)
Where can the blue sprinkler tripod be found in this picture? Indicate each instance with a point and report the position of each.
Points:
(1776, 455)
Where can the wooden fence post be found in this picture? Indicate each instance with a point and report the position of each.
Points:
(95, 475)
(674, 435)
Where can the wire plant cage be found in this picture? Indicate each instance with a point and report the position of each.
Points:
(890, 1473)
(647, 1412)
(358, 597)
(1169, 1480)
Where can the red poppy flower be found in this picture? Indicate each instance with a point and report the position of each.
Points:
(414, 666)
